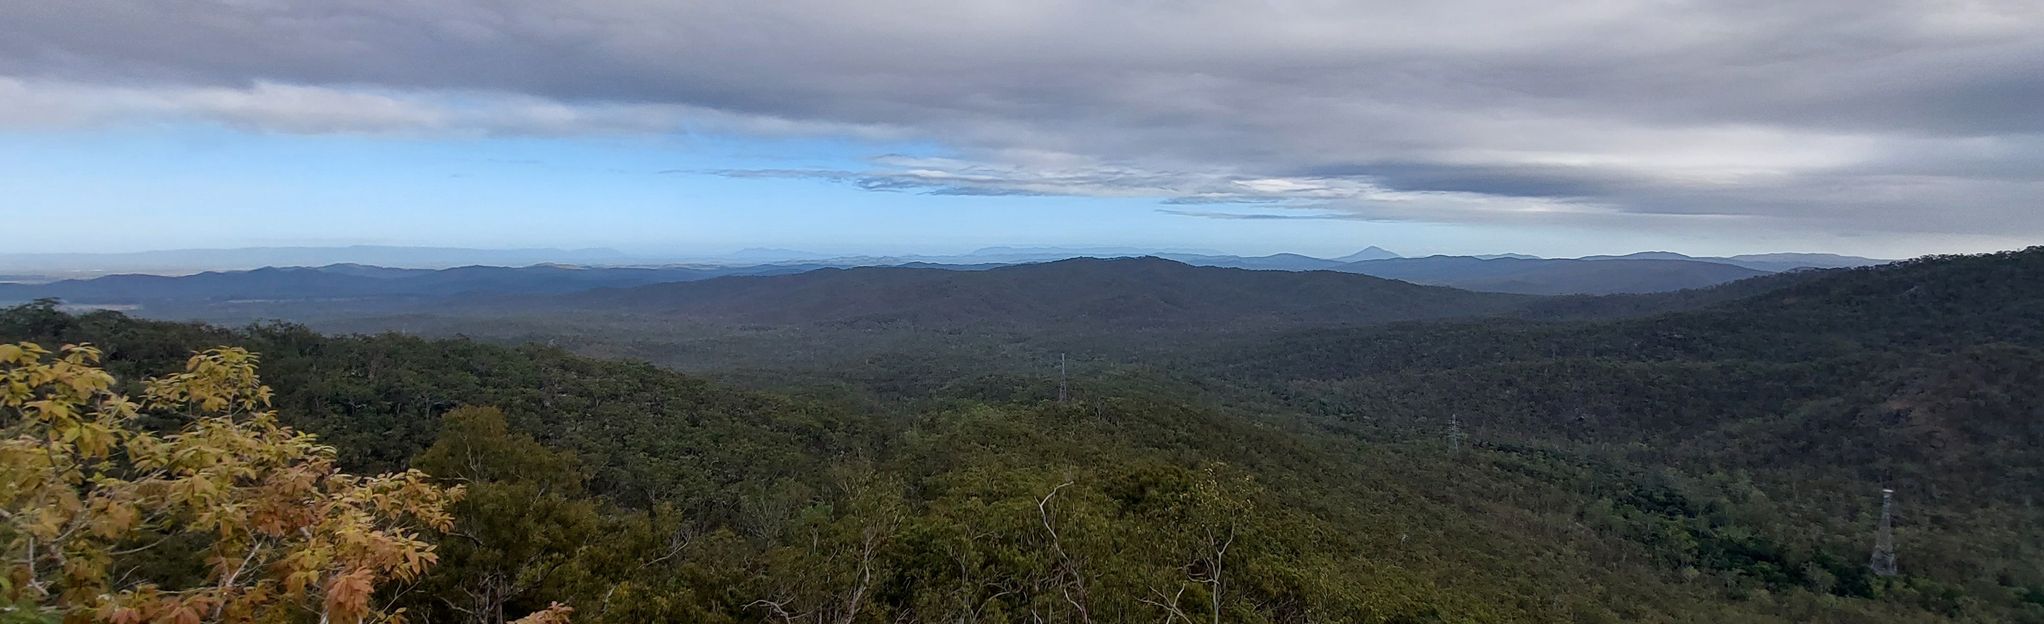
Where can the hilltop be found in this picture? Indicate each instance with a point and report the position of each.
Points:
(1125, 292)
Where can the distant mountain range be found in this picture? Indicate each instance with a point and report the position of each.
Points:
(1773, 262)
(183, 261)
(1101, 293)
(1649, 272)
(1522, 274)
(1555, 276)
(340, 281)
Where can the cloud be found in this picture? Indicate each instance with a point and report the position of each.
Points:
(1873, 115)
(1069, 177)
(298, 109)
(1262, 216)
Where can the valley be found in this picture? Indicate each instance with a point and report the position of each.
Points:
(1385, 451)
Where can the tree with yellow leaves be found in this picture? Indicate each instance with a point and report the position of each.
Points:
(93, 502)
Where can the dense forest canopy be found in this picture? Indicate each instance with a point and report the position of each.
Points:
(1700, 456)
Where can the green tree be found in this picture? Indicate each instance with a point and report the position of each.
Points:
(522, 524)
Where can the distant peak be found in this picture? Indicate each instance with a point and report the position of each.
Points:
(1372, 252)
(1121, 260)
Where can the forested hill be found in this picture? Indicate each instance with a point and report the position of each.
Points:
(283, 290)
(1937, 303)
(350, 281)
(1094, 293)
(1927, 301)
(1544, 276)
(1720, 464)
(658, 497)
(1925, 376)
(1620, 306)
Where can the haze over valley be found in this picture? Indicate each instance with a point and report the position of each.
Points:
(1002, 312)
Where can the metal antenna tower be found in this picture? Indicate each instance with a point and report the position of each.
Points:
(1455, 432)
(1063, 390)
(1883, 562)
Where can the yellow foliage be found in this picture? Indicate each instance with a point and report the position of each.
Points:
(554, 613)
(82, 484)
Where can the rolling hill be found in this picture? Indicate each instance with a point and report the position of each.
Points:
(1760, 262)
(1555, 276)
(186, 260)
(1274, 262)
(351, 281)
(1721, 463)
(1647, 272)
(1125, 292)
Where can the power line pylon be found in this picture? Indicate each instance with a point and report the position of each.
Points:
(1063, 389)
(1883, 561)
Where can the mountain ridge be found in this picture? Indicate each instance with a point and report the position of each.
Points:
(1551, 276)
(1120, 292)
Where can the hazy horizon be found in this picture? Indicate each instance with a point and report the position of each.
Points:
(405, 256)
(1000, 311)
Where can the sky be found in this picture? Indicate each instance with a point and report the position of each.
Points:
(1885, 128)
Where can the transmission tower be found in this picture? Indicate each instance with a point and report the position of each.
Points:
(1063, 390)
(1883, 562)
(1455, 432)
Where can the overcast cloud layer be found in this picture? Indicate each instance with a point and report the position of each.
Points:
(1834, 116)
